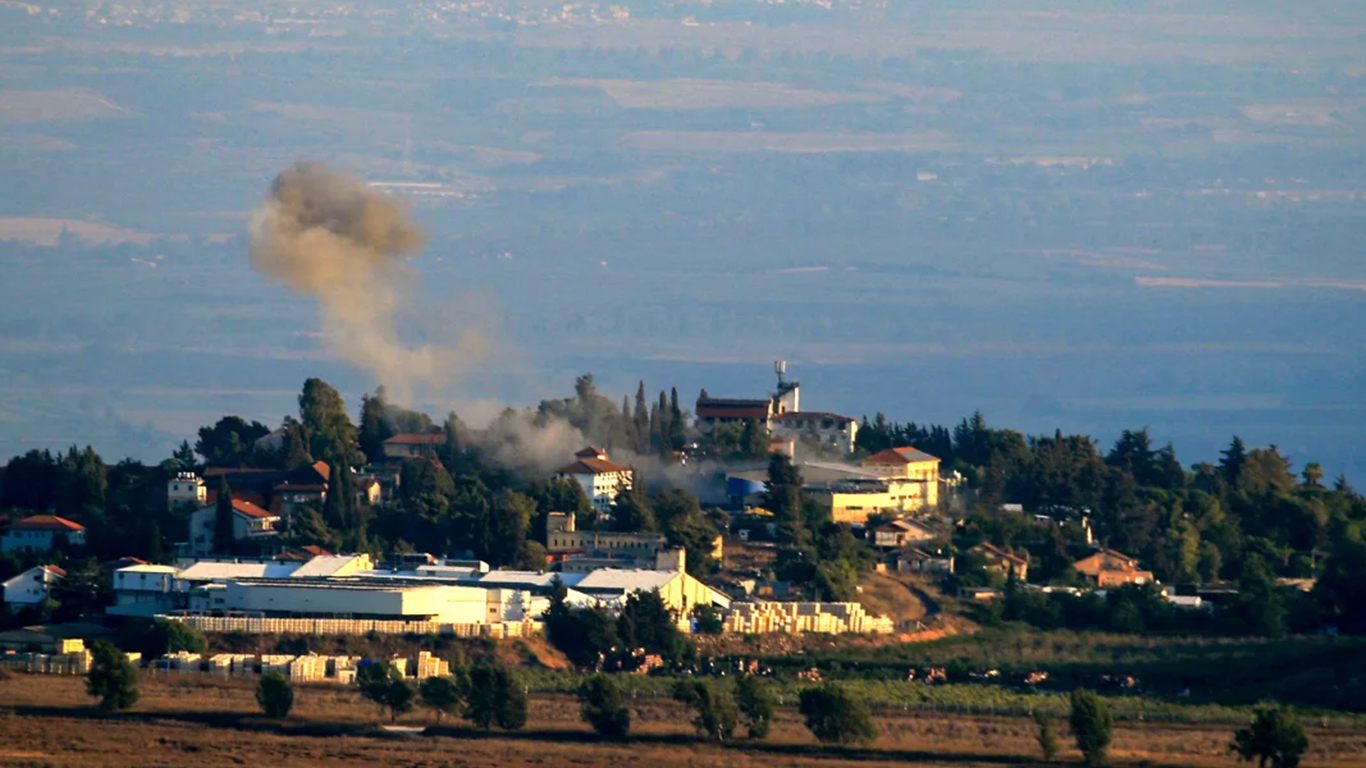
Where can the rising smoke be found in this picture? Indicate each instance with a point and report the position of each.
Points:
(330, 236)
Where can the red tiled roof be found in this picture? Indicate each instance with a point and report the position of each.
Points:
(247, 509)
(54, 570)
(46, 523)
(424, 438)
(324, 471)
(592, 467)
(899, 456)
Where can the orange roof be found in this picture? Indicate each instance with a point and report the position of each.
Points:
(54, 570)
(899, 456)
(592, 467)
(324, 471)
(46, 523)
(247, 509)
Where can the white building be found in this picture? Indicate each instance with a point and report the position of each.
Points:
(146, 590)
(31, 587)
(830, 429)
(249, 521)
(39, 533)
(358, 599)
(186, 488)
(599, 477)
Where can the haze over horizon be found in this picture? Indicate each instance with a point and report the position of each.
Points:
(1076, 216)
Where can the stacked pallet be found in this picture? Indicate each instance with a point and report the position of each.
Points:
(276, 662)
(795, 618)
(308, 669)
(430, 666)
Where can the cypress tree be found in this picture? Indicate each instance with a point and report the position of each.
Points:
(222, 521)
(642, 420)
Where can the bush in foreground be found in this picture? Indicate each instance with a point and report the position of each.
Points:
(1274, 738)
(275, 695)
(112, 677)
(755, 697)
(495, 697)
(1091, 723)
(442, 695)
(717, 718)
(384, 685)
(1047, 735)
(603, 706)
(835, 717)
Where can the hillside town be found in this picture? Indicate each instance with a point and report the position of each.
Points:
(257, 553)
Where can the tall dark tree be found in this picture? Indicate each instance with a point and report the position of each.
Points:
(222, 519)
(184, 457)
(1233, 460)
(784, 499)
(31, 480)
(81, 484)
(677, 426)
(632, 510)
(295, 453)
(329, 431)
(230, 442)
(375, 426)
(641, 421)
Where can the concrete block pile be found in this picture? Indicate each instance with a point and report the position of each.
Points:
(795, 618)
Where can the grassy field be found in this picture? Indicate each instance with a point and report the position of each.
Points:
(48, 721)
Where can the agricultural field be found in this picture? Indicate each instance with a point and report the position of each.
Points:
(49, 721)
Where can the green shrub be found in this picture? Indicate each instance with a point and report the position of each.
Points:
(603, 706)
(755, 697)
(835, 717)
(112, 677)
(717, 717)
(442, 695)
(1047, 735)
(1091, 723)
(275, 695)
(1274, 738)
(495, 697)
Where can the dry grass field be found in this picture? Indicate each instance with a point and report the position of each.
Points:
(48, 721)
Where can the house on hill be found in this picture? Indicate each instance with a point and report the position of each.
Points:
(30, 588)
(249, 521)
(1108, 569)
(1002, 561)
(599, 477)
(901, 533)
(40, 533)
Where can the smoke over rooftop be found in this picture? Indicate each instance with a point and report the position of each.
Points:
(329, 235)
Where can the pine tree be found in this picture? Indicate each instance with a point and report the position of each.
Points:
(374, 425)
(1233, 461)
(677, 427)
(222, 521)
(642, 421)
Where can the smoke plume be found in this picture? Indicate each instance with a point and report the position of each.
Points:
(330, 236)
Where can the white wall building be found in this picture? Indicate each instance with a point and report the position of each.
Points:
(249, 521)
(829, 429)
(31, 587)
(40, 533)
(186, 488)
(599, 477)
(146, 590)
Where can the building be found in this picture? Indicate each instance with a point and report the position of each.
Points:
(30, 588)
(913, 560)
(909, 463)
(412, 446)
(146, 590)
(353, 599)
(40, 533)
(599, 477)
(1108, 569)
(1002, 561)
(249, 521)
(563, 539)
(781, 415)
(681, 592)
(901, 533)
(186, 488)
(826, 429)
